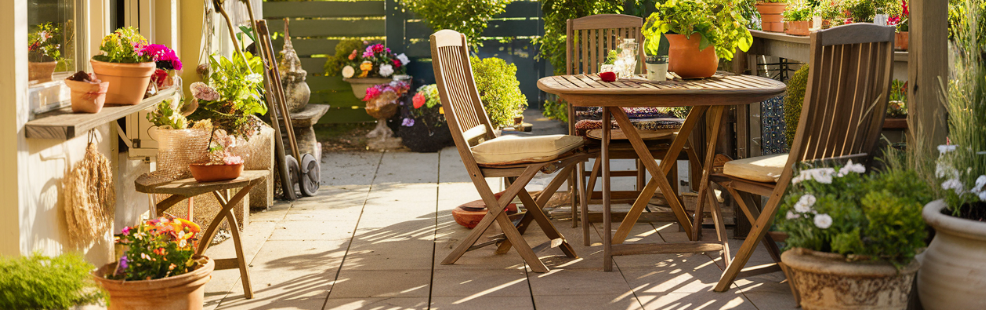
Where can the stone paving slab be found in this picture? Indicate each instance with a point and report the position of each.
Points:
(376, 234)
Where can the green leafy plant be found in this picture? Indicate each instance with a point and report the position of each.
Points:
(793, 100)
(556, 16)
(556, 109)
(865, 217)
(859, 11)
(798, 12)
(167, 114)
(898, 99)
(125, 45)
(498, 89)
(346, 55)
(156, 249)
(39, 282)
(43, 44)
(233, 97)
(714, 21)
(829, 10)
(469, 17)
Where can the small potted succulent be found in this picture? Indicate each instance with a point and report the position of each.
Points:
(797, 19)
(770, 14)
(902, 22)
(699, 33)
(852, 237)
(88, 92)
(159, 268)
(125, 65)
(43, 52)
(374, 65)
(424, 128)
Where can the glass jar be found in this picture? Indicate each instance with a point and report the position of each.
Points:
(626, 59)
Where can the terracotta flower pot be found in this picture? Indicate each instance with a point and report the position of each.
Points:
(770, 16)
(128, 82)
(953, 268)
(685, 59)
(470, 214)
(185, 291)
(41, 71)
(361, 84)
(901, 40)
(212, 173)
(827, 281)
(797, 28)
(87, 97)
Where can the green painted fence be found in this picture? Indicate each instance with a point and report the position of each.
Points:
(317, 26)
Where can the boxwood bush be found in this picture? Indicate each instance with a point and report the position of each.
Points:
(499, 89)
(793, 100)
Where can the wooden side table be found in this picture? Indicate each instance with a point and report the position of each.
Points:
(186, 188)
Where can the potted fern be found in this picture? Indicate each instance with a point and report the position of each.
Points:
(699, 33)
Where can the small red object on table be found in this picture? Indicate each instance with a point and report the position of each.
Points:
(607, 76)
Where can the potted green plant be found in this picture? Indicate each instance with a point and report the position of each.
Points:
(701, 32)
(827, 14)
(424, 128)
(770, 14)
(902, 22)
(852, 237)
(952, 269)
(374, 65)
(125, 65)
(43, 52)
(158, 268)
(40, 282)
(797, 18)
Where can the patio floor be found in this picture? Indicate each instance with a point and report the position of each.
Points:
(375, 235)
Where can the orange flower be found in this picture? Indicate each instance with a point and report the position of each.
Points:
(366, 66)
(192, 227)
(161, 251)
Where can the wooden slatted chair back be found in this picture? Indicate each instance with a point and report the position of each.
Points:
(590, 38)
(453, 73)
(847, 94)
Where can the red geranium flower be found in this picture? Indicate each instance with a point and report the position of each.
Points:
(397, 63)
(419, 100)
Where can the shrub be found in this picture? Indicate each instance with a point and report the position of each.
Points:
(556, 109)
(41, 282)
(793, 100)
(333, 65)
(499, 89)
(469, 17)
(556, 15)
(865, 217)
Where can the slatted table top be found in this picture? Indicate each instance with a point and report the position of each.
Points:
(189, 187)
(721, 89)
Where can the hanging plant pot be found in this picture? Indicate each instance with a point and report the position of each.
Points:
(185, 291)
(41, 71)
(361, 84)
(87, 97)
(901, 40)
(685, 58)
(212, 173)
(796, 28)
(128, 82)
(424, 138)
(953, 267)
(827, 281)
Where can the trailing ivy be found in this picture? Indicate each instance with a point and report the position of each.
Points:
(469, 17)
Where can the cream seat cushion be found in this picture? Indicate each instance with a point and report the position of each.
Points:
(512, 149)
(761, 168)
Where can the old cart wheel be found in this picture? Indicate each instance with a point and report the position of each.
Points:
(309, 179)
(294, 170)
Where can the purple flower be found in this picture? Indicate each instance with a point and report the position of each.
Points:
(122, 265)
(368, 54)
(126, 230)
(408, 122)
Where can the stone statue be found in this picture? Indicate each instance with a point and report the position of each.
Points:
(296, 90)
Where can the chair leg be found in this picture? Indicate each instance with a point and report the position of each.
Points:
(584, 206)
(746, 203)
(542, 219)
(542, 199)
(591, 187)
(573, 200)
(716, 209)
(757, 233)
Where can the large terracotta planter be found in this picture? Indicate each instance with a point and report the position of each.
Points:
(212, 173)
(361, 84)
(827, 281)
(685, 59)
(128, 82)
(41, 71)
(186, 291)
(953, 270)
(87, 97)
(797, 28)
(901, 40)
(770, 16)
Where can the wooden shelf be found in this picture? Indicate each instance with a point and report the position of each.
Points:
(62, 124)
(797, 48)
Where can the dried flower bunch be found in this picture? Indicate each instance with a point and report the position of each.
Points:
(157, 249)
(43, 45)
(89, 197)
(865, 217)
(376, 60)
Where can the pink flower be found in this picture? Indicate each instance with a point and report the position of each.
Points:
(371, 93)
(204, 92)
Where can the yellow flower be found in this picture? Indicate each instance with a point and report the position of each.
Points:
(441, 110)
(366, 66)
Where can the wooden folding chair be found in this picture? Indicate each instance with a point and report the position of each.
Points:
(841, 119)
(589, 41)
(472, 132)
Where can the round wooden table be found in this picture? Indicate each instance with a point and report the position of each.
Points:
(712, 94)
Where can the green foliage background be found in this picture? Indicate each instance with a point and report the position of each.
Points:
(793, 100)
(498, 89)
(40, 282)
(469, 17)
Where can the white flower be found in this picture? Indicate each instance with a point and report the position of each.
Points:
(942, 149)
(386, 70)
(403, 58)
(945, 171)
(823, 175)
(980, 182)
(850, 167)
(823, 221)
(804, 204)
(255, 78)
(791, 215)
(182, 243)
(953, 184)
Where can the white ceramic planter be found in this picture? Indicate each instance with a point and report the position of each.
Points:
(953, 271)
